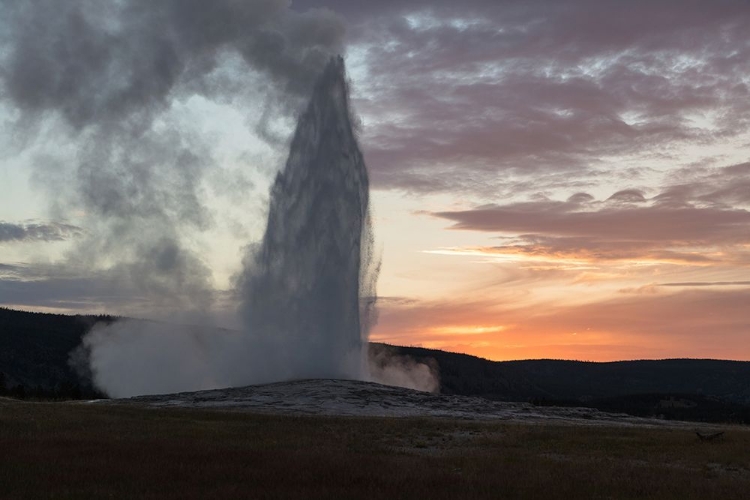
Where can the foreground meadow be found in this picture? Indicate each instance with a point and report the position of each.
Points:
(74, 450)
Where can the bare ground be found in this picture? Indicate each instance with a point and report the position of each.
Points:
(367, 399)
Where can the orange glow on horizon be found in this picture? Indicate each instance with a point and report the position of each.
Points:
(495, 349)
(633, 325)
(460, 330)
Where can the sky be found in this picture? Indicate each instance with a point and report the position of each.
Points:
(550, 179)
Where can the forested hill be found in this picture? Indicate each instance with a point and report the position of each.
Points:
(582, 381)
(35, 348)
(34, 351)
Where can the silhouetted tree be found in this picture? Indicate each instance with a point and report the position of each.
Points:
(19, 392)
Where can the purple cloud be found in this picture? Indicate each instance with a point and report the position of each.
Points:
(461, 97)
(694, 222)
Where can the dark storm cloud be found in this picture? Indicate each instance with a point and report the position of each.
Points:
(89, 86)
(464, 95)
(55, 231)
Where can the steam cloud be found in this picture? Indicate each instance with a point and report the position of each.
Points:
(389, 368)
(101, 77)
(99, 82)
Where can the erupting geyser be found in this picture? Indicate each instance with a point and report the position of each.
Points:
(305, 291)
(302, 287)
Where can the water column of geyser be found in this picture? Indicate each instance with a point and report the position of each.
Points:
(306, 288)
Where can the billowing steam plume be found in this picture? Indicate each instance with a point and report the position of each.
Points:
(93, 91)
(99, 81)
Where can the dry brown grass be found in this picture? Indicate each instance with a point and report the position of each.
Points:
(56, 450)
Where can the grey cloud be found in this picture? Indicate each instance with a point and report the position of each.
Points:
(51, 286)
(31, 231)
(677, 225)
(645, 223)
(723, 187)
(628, 196)
(75, 294)
(10, 270)
(94, 61)
(729, 186)
(580, 198)
(87, 290)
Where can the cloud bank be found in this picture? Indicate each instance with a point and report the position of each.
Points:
(485, 96)
(705, 220)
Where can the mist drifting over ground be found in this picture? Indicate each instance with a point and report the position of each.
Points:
(91, 88)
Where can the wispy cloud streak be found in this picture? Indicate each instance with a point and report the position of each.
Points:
(32, 231)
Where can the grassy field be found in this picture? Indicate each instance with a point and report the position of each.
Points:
(63, 450)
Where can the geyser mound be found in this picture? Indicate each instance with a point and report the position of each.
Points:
(301, 286)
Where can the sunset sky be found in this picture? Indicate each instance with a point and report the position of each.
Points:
(550, 179)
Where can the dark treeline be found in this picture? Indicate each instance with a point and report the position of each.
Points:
(585, 381)
(35, 350)
(62, 391)
(702, 390)
(34, 355)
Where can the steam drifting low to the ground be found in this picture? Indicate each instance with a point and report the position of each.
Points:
(93, 91)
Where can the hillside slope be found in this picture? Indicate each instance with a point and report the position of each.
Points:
(35, 348)
(34, 351)
(583, 381)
